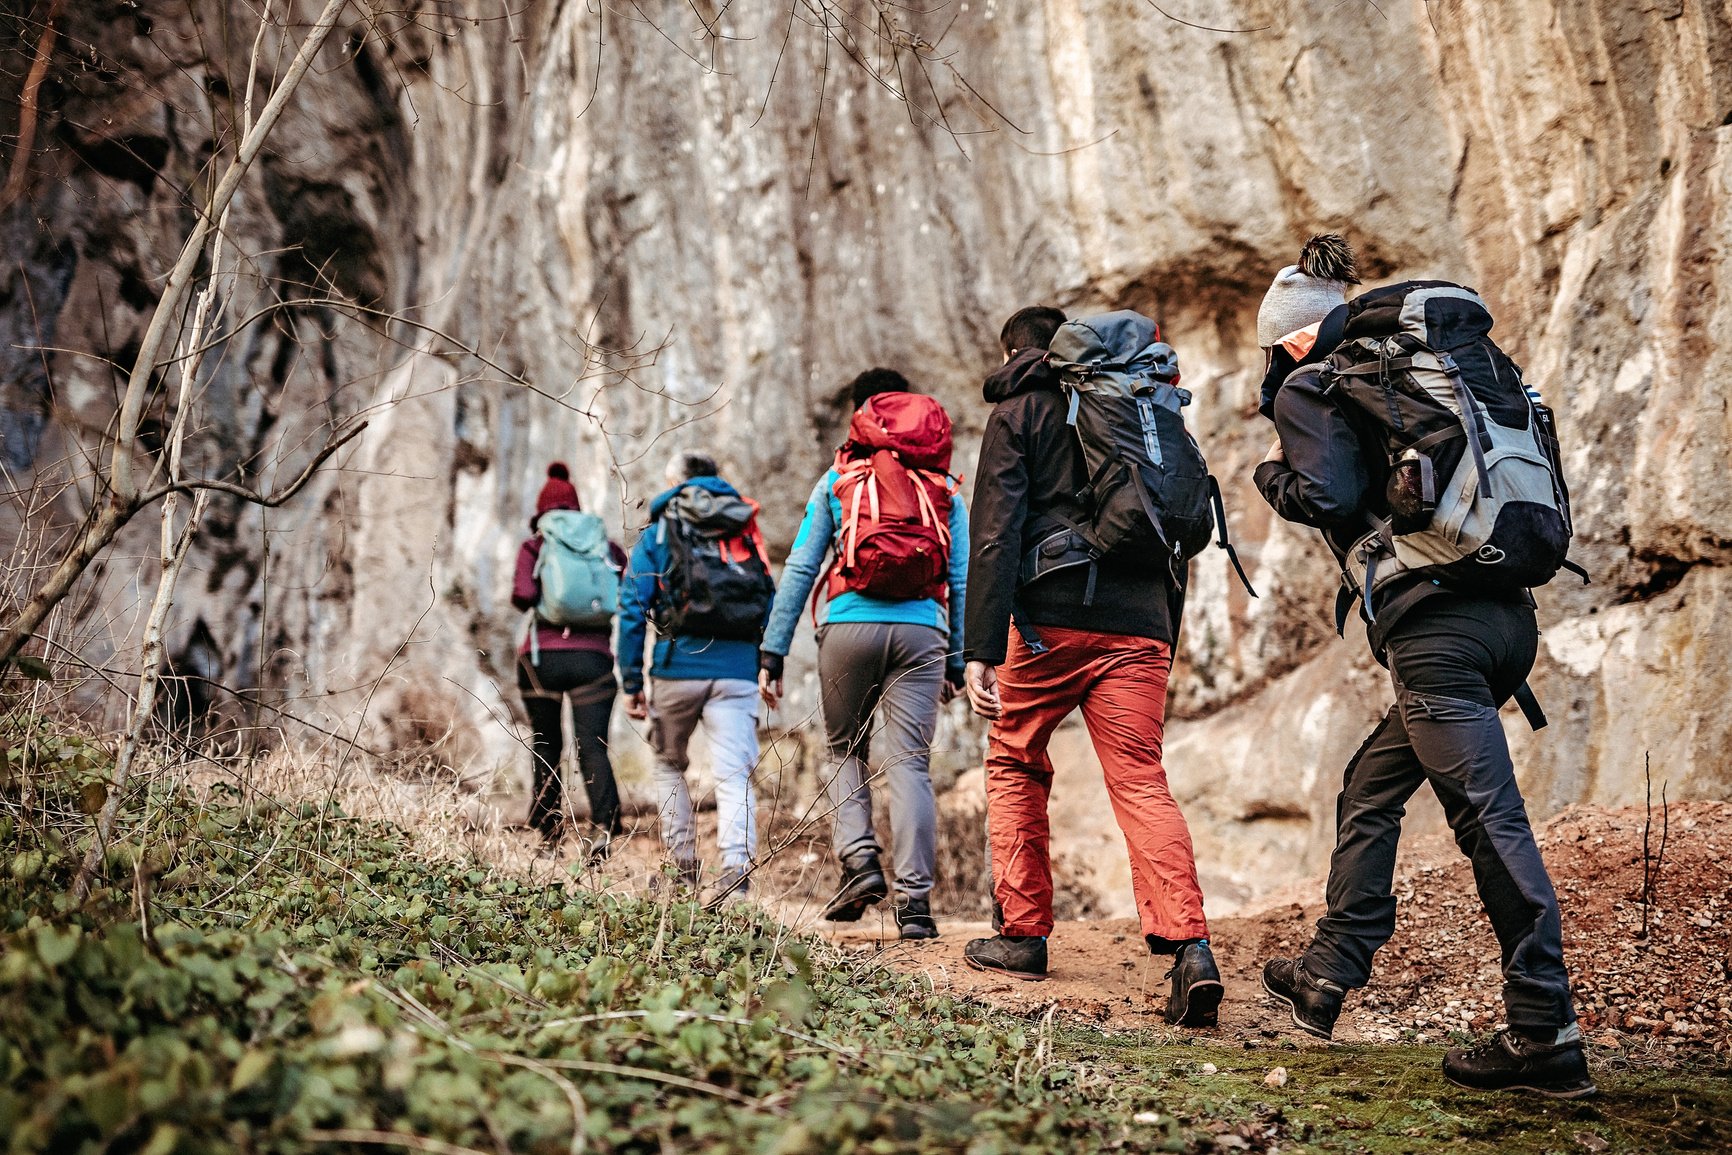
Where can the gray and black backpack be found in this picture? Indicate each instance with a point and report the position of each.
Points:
(1476, 488)
(1149, 494)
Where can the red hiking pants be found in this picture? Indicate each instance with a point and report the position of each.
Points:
(1120, 683)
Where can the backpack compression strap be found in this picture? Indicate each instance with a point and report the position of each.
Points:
(1530, 706)
(1223, 541)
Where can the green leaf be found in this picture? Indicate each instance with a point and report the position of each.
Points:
(55, 946)
(250, 1070)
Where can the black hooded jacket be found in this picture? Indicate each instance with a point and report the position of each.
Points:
(1030, 468)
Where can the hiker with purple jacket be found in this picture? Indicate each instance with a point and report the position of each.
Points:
(567, 653)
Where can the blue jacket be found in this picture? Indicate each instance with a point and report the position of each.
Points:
(681, 658)
(805, 565)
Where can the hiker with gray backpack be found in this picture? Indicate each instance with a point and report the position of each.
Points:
(701, 576)
(1411, 441)
(1090, 499)
(567, 581)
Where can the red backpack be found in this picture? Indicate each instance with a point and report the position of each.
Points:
(895, 490)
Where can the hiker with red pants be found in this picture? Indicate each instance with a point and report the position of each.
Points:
(1411, 441)
(1094, 588)
(891, 603)
(568, 581)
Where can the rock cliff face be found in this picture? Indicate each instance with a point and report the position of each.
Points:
(693, 226)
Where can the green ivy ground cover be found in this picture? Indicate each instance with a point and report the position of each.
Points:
(258, 978)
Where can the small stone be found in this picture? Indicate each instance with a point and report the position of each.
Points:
(1208, 1068)
(1276, 1077)
(1150, 1117)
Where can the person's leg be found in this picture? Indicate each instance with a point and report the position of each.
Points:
(543, 705)
(675, 705)
(731, 722)
(1124, 706)
(908, 715)
(1456, 665)
(592, 696)
(1359, 895)
(1036, 691)
(851, 668)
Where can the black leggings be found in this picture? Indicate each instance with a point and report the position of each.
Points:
(586, 677)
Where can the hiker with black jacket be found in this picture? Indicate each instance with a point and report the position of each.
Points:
(896, 540)
(1098, 637)
(1402, 431)
(699, 574)
(560, 662)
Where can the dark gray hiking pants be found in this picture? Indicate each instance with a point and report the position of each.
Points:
(1454, 660)
(896, 671)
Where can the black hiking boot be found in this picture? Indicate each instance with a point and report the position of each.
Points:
(1315, 1002)
(1196, 995)
(1019, 957)
(1510, 1061)
(914, 918)
(862, 886)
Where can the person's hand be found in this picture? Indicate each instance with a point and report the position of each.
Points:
(1276, 453)
(982, 683)
(769, 689)
(636, 706)
(954, 682)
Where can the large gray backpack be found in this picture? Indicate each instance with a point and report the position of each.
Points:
(1476, 490)
(1149, 495)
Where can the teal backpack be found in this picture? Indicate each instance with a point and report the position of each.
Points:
(579, 584)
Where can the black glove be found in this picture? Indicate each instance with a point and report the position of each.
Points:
(771, 664)
(957, 676)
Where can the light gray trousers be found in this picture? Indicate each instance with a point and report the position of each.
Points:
(728, 708)
(896, 671)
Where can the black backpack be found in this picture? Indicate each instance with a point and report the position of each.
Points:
(1476, 488)
(1149, 495)
(718, 582)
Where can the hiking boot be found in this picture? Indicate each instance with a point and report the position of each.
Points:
(684, 879)
(1196, 995)
(1511, 1061)
(914, 918)
(1315, 1002)
(862, 886)
(1014, 955)
(594, 850)
(734, 883)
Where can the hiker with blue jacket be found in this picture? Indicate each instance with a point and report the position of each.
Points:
(567, 653)
(1410, 440)
(700, 575)
(888, 540)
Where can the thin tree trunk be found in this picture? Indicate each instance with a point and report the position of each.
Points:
(144, 707)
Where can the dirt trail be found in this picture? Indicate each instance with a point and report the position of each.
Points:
(1100, 973)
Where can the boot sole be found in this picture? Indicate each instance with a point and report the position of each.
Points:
(917, 934)
(985, 968)
(1202, 1005)
(1586, 1092)
(1327, 1036)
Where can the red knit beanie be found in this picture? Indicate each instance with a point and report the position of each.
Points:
(557, 493)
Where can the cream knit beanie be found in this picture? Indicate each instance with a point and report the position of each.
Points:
(1305, 293)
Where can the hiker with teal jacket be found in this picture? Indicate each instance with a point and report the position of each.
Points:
(700, 575)
(572, 593)
(885, 544)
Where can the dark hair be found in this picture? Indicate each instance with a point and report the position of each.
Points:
(690, 464)
(1030, 328)
(876, 381)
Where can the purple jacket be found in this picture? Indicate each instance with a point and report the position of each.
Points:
(526, 593)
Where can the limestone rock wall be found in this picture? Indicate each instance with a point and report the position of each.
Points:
(692, 229)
